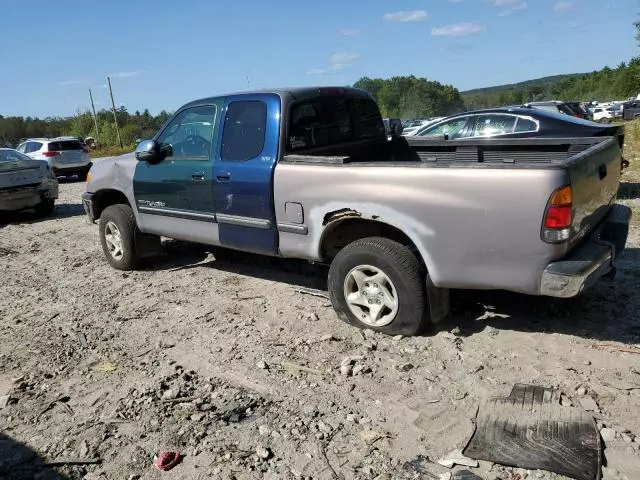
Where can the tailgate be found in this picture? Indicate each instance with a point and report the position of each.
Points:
(595, 178)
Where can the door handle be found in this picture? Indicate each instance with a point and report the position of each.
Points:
(198, 176)
(223, 176)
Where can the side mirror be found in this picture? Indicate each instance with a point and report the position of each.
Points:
(147, 151)
(396, 130)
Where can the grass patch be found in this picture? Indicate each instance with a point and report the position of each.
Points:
(111, 151)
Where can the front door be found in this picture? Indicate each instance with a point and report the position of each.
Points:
(179, 190)
(243, 173)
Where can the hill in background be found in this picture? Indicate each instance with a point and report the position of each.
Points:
(606, 84)
(538, 82)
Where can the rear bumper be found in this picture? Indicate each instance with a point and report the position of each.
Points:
(592, 260)
(61, 170)
(21, 198)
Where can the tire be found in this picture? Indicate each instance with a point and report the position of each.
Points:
(118, 229)
(45, 208)
(368, 258)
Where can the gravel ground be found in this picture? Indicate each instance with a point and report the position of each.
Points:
(214, 354)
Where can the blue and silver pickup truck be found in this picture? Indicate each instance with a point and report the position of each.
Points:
(310, 173)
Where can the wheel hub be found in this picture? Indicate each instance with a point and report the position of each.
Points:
(371, 295)
(113, 240)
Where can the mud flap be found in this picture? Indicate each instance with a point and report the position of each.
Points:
(148, 245)
(530, 429)
(439, 304)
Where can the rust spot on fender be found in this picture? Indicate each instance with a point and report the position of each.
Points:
(340, 214)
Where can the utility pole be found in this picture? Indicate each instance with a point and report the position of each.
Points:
(115, 118)
(95, 118)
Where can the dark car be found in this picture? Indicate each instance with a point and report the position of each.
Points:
(517, 122)
(579, 110)
(631, 110)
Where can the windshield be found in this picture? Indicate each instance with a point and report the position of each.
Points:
(12, 156)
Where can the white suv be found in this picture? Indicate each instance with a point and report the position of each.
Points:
(65, 155)
(603, 114)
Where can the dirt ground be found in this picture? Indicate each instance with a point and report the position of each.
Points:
(94, 362)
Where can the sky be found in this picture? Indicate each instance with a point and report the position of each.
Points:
(163, 54)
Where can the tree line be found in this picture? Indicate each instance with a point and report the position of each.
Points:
(132, 126)
(606, 84)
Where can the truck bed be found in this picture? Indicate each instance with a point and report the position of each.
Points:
(469, 206)
(510, 153)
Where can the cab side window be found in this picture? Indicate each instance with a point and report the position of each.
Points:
(244, 131)
(189, 134)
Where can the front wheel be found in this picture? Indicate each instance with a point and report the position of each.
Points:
(377, 283)
(117, 235)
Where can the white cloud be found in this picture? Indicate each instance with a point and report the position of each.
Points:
(509, 6)
(458, 30)
(406, 16)
(71, 82)
(562, 6)
(349, 32)
(343, 57)
(514, 8)
(337, 61)
(124, 74)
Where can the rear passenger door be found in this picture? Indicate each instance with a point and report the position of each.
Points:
(243, 173)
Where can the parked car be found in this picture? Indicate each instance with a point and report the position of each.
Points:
(603, 114)
(65, 155)
(414, 125)
(393, 127)
(631, 110)
(26, 183)
(309, 173)
(516, 122)
(423, 124)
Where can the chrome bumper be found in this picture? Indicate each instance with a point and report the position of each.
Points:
(594, 259)
(87, 204)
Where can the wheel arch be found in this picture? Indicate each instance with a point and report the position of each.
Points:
(105, 198)
(345, 227)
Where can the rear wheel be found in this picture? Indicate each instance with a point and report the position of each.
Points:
(45, 208)
(377, 283)
(118, 229)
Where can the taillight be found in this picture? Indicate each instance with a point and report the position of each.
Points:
(50, 154)
(558, 217)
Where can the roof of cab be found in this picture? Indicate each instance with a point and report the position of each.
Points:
(290, 94)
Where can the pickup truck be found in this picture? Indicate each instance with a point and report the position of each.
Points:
(310, 173)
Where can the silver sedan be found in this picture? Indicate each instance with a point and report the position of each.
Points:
(26, 183)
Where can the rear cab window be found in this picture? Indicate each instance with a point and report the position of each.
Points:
(332, 120)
